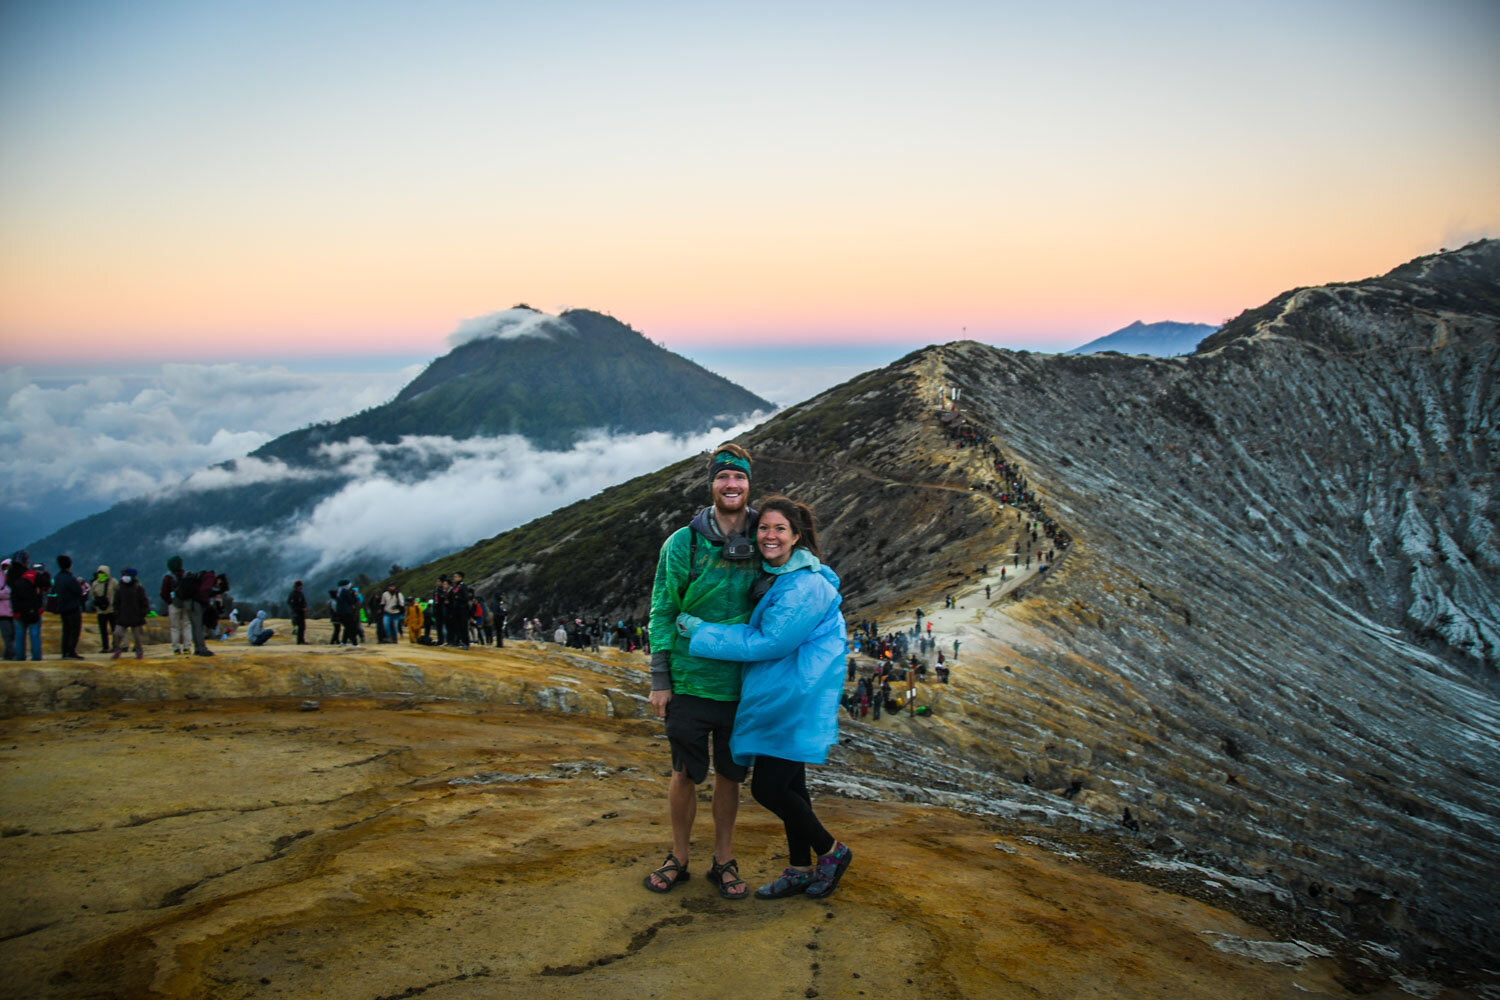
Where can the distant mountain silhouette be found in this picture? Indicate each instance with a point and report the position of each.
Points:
(1162, 340)
(549, 379)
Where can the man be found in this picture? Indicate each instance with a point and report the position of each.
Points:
(392, 604)
(297, 599)
(177, 615)
(460, 610)
(69, 608)
(497, 617)
(205, 586)
(705, 569)
(439, 608)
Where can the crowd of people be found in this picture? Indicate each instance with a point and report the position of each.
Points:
(28, 590)
(198, 607)
(452, 615)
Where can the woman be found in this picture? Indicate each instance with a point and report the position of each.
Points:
(793, 649)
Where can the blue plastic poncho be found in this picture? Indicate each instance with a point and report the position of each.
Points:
(793, 650)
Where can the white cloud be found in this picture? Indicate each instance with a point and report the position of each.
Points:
(91, 440)
(244, 471)
(492, 485)
(507, 325)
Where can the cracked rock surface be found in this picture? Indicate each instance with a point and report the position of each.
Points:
(400, 845)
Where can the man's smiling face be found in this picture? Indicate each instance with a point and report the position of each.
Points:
(731, 491)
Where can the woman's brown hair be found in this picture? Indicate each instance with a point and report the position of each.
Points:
(798, 515)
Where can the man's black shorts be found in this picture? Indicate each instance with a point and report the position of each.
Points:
(691, 722)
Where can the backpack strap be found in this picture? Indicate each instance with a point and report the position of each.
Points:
(692, 566)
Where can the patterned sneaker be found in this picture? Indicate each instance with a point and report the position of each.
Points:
(791, 881)
(828, 871)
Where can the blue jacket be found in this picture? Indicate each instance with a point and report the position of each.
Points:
(793, 651)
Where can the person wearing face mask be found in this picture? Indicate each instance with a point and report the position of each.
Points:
(132, 605)
(793, 650)
(102, 595)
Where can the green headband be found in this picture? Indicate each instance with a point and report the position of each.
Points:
(728, 460)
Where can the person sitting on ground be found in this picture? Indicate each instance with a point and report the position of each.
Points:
(258, 634)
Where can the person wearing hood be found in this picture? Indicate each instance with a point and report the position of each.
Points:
(7, 615)
(25, 605)
(69, 607)
(178, 627)
(257, 634)
(132, 605)
(102, 595)
(413, 620)
(705, 569)
(793, 651)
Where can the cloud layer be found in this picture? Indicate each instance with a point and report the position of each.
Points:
(470, 490)
(79, 444)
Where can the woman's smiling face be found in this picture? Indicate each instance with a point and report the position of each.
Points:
(775, 537)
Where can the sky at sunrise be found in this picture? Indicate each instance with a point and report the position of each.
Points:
(208, 182)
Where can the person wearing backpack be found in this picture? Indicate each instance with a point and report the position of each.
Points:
(706, 569)
(103, 593)
(201, 588)
(174, 595)
(25, 605)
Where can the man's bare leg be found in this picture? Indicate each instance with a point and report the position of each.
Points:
(682, 803)
(682, 809)
(726, 807)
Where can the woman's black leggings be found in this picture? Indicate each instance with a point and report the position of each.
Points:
(781, 786)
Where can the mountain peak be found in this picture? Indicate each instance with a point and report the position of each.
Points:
(1162, 339)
